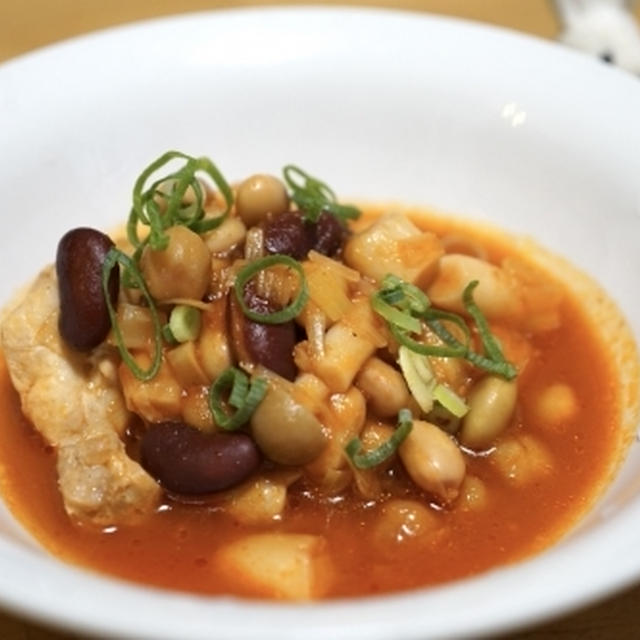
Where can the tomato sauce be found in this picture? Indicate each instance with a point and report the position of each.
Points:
(174, 547)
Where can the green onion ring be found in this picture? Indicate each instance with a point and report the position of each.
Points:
(146, 210)
(490, 344)
(369, 459)
(244, 397)
(283, 315)
(112, 258)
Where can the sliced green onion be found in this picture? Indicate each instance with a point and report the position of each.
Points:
(450, 400)
(276, 317)
(404, 294)
(112, 258)
(168, 336)
(438, 350)
(243, 397)
(393, 315)
(368, 459)
(314, 196)
(146, 210)
(490, 344)
(418, 376)
(185, 323)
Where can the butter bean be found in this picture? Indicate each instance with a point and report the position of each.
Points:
(492, 402)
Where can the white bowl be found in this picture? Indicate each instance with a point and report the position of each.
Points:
(386, 106)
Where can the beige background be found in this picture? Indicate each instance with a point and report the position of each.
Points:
(28, 24)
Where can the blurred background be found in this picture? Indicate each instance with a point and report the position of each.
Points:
(28, 24)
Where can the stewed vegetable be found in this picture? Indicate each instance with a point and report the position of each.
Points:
(315, 400)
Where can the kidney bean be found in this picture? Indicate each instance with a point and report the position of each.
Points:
(329, 234)
(270, 345)
(188, 461)
(84, 320)
(287, 233)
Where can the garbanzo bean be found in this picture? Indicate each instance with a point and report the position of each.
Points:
(433, 460)
(491, 404)
(259, 195)
(401, 521)
(182, 270)
(383, 386)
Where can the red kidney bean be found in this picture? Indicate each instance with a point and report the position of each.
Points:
(270, 345)
(329, 234)
(287, 233)
(84, 320)
(188, 461)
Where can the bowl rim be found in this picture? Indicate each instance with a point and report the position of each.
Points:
(379, 617)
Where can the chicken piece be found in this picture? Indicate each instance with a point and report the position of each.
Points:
(73, 400)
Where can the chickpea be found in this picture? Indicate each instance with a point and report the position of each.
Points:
(285, 431)
(182, 270)
(433, 460)
(492, 402)
(555, 405)
(473, 495)
(401, 521)
(384, 387)
(259, 195)
(522, 460)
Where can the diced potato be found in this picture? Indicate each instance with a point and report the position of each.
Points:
(212, 345)
(287, 566)
(186, 366)
(522, 460)
(496, 295)
(328, 289)
(136, 326)
(195, 409)
(393, 244)
(343, 419)
(155, 400)
(260, 501)
(348, 344)
(368, 482)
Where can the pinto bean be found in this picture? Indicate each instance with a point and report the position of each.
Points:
(84, 320)
(188, 461)
(270, 345)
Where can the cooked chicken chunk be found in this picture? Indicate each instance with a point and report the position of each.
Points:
(74, 401)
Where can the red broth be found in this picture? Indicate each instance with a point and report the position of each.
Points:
(174, 547)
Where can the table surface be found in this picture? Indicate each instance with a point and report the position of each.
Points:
(29, 24)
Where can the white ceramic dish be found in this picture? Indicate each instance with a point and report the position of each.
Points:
(387, 106)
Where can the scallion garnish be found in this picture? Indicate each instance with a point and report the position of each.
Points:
(114, 257)
(314, 196)
(368, 459)
(412, 304)
(148, 211)
(450, 400)
(243, 397)
(184, 323)
(253, 268)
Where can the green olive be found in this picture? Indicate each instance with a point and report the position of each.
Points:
(259, 195)
(286, 431)
(492, 402)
